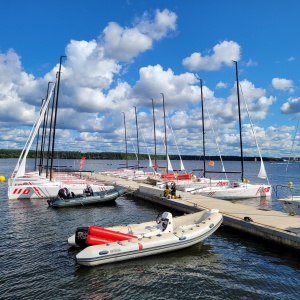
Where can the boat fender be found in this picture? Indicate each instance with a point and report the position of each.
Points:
(96, 240)
(109, 234)
(248, 219)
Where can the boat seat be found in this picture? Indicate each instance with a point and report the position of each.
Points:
(184, 227)
(147, 232)
(151, 228)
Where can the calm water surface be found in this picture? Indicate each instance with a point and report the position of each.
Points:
(36, 262)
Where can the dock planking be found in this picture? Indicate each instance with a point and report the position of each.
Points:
(275, 226)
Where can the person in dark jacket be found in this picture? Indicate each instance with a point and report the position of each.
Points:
(173, 190)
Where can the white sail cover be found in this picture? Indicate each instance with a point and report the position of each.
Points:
(262, 171)
(170, 168)
(181, 165)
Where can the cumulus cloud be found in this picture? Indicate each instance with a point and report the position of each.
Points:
(225, 110)
(291, 107)
(221, 85)
(155, 80)
(222, 54)
(89, 77)
(164, 23)
(283, 84)
(124, 44)
(93, 93)
(16, 86)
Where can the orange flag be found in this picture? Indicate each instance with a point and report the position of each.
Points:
(211, 163)
(81, 163)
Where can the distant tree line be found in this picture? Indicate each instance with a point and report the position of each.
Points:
(4, 153)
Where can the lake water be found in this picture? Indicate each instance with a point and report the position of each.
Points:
(36, 262)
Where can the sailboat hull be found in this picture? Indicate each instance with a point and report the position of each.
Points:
(244, 191)
(49, 189)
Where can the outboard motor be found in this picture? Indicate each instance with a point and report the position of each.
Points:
(165, 222)
(52, 200)
(80, 236)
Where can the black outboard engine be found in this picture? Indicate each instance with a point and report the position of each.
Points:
(52, 200)
(80, 236)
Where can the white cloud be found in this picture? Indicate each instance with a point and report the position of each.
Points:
(164, 22)
(177, 88)
(223, 54)
(221, 85)
(291, 107)
(283, 84)
(251, 63)
(16, 87)
(93, 94)
(124, 44)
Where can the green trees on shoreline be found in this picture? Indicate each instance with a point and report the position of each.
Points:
(4, 153)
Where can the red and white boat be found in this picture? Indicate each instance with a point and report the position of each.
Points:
(119, 243)
(236, 191)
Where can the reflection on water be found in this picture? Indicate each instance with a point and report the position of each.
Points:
(263, 203)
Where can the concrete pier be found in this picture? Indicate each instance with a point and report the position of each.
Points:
(275, 226)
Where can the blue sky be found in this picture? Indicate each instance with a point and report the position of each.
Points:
(121, 54)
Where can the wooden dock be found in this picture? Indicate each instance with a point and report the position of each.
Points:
(275, 226)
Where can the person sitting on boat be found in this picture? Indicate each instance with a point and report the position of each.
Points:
(89, 191)
(64, 193)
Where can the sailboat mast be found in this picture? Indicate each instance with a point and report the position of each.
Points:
(240, 122)
(47, 117)
(155, 164)
(125, 141)
(42, 142)
(50, 129)
(203, 129)
(137, 139)
(44, 135)
(37, 144)
(55, 116)
(166, 144)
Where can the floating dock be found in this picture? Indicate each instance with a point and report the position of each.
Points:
(275, 226)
